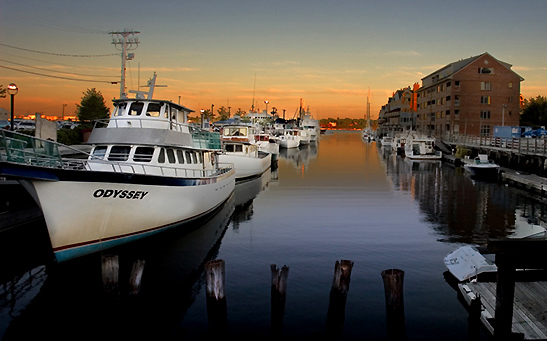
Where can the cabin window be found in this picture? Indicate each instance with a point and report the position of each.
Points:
(161, 156)
(194, 159)
(118, 111)
(180, 156)
(136, 109)
(119, 153)
(200, 157)
(153, 110)
(143, 154)
(188, 157)
(99, 152)
(171, 155)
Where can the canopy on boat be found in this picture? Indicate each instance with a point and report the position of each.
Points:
(466, 262)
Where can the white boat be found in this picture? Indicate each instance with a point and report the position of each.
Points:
(467, 262)
(421, 148)
(367, 135)
(386, 141)
(311, 125)
(398, 144)
(289, 139)
(482, 167)
(148, 170)
(304, 135)
(267, 143)
(240, 149)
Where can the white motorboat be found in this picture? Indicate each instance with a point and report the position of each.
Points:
(386, 141)
(267, 143)
(240, 149)
(482, 167)
(421, 148)
(467, 262)
(289, 139)
(367, 135)
(311, 125)
(148, 170)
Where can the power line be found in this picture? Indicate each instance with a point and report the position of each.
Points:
(44, 69)
(59, 77)
(56, 64)
(61, 54)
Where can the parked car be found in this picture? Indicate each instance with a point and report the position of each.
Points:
(25, 125)
(5, 124)
(66, 124)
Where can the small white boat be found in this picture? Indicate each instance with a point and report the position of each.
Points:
(312, 126)
(240, 149)
(148, 170)
(482, 167)
(467, 262)
(386, 141)
(421, 148)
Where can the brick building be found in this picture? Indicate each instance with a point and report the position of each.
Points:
(469, 97)
(399, 114)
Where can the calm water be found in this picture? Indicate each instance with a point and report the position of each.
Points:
(341, 200)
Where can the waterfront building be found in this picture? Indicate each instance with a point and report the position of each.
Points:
(469, 97)
(399, 114)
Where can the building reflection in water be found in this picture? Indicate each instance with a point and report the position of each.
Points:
(462, 210)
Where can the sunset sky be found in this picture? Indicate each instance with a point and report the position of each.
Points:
(225, 53)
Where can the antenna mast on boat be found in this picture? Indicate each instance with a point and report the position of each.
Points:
(125, 41)
(254, 89)
(368, 109)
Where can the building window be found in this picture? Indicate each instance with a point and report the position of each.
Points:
(485, 114)
(457, 100)
(447, 113)
(485, 130)
(486, 85)
(487, 70)
(510, 85)
(457, 85)
(510, 99)
(485, 99)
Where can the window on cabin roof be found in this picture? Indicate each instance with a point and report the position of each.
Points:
(119, 153)
(99, 152)
(143, 154)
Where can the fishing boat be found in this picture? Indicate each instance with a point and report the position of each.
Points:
(241, 150)
(148, 170)
(421, 148)
(386, 142)
(311, 125)
(481, 167)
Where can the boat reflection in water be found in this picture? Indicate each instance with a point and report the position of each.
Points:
(299, 156)
(245, 192)
(71, 299)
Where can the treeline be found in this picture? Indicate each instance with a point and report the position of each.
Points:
(534, 112)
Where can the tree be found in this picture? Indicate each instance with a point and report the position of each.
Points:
(2, 91)
(534, 112)
(223, 114)
(92, 107)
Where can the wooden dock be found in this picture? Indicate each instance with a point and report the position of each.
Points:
(529, 308)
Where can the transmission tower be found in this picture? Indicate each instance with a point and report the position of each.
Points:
(125, 41)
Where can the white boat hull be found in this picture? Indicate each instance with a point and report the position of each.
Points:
(247, 166)
(84, 217)
(288, 143)
(483, 171)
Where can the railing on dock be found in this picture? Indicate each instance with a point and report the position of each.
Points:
(21, 148)
(529, 146)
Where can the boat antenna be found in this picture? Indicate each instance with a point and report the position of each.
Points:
(125, 41)
(151, 85)
(254, 89)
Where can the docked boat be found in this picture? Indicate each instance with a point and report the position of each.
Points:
(421, 148)
(398, 144)
(240, 149)
(267, 143)
(311, 125)
(367, 135)
(148, 170)
(482, 167)
(386, 142)
(289, 139)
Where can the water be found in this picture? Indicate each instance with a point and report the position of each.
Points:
(343, 199)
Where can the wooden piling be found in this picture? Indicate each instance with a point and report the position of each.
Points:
(338, 296)
(474, 319)
(395, 315)
(278, 298)
(216, 299)
(136, 277)
(110, 273)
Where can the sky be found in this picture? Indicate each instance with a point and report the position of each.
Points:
(334, 55)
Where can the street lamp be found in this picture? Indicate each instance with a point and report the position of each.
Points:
(12, 90)
(266, 106)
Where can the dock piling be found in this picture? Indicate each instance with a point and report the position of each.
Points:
(110, 273)
(278, 297)
(338, 295)
(216, 298)
(393, 287)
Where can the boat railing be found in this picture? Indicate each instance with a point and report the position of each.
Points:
(26, 149)
(146, 169)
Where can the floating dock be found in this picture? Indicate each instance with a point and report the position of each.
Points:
(529, 308)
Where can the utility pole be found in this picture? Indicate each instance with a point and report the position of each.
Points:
(63, 118)
(125, 41)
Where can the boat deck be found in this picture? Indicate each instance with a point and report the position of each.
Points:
(529, 308)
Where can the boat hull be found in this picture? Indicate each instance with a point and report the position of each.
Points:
(489, 171)
(247, 167)
(87, 211)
